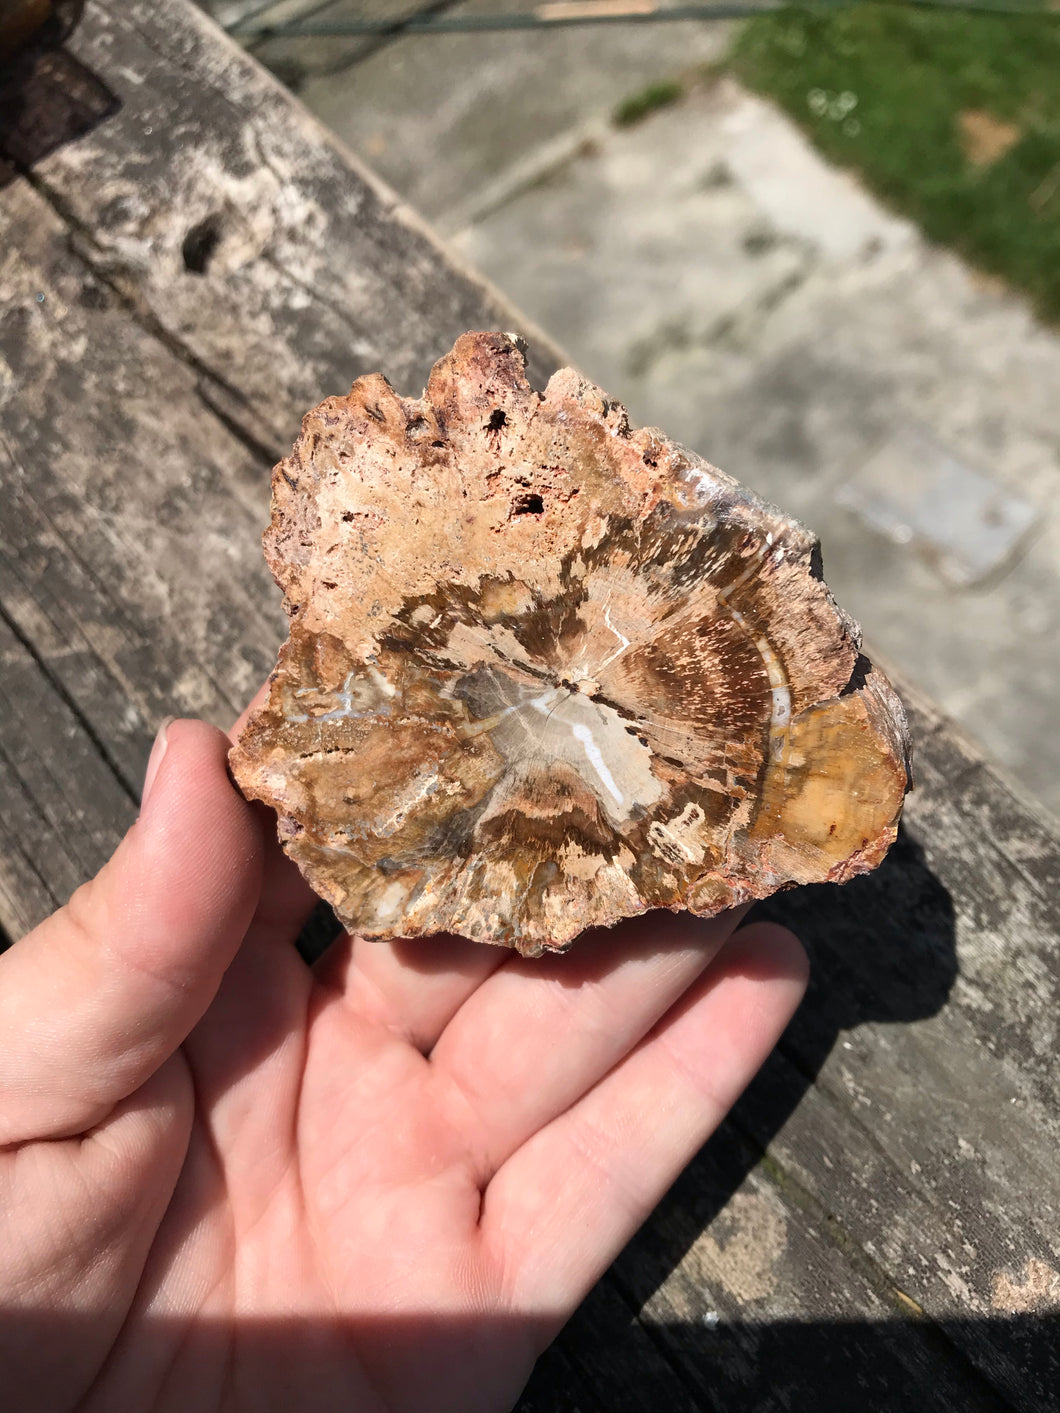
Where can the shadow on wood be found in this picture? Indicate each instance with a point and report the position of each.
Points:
(882, 949)
(47, 97)
(791, 1366)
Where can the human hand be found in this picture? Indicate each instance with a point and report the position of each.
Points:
(229, 1180)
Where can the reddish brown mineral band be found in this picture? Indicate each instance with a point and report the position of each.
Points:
(546, 672)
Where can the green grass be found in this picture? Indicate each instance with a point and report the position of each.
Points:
(882, 90)
(639, 105)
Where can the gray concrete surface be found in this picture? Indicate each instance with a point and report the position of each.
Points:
(710, 269)
(445, 117)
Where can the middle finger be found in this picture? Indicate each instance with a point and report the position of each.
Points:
(539, 1033)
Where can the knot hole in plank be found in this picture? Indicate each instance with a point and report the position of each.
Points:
(200, 243)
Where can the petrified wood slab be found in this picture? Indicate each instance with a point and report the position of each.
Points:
(546, 671)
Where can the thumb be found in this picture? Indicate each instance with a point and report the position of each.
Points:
(99, 995)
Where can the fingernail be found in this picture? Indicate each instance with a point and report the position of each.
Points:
(154, 760)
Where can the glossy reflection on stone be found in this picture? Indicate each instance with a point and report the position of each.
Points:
(546, 671)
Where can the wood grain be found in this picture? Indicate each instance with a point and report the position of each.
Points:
(306, 271)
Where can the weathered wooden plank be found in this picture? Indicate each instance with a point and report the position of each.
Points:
(946, 1249)
(62, 808)
(130, 546)
(24, 896)
(761, 1306)
(218, 204)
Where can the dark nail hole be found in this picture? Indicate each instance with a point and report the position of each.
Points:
(94, 296)
(528, 505)
(199, 245)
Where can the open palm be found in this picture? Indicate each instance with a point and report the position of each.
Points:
(234, 1181)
